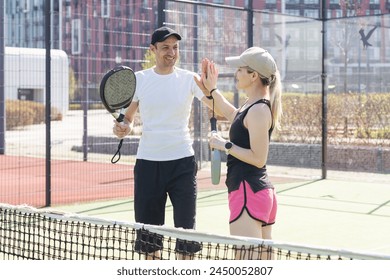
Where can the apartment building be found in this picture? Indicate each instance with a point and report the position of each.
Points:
(98, 34)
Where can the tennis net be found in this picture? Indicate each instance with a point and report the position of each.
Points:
(30, 233)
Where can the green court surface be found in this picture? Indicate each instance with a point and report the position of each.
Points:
(348, 211)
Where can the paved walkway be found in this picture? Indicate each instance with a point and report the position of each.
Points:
(347, 210)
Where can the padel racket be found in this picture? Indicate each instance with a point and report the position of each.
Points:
(215, 155)
(117, 89)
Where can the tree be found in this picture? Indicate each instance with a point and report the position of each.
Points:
(149, 60)
(348, 37)
(72, 84)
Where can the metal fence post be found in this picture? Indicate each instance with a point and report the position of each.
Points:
(324, 93)
(48, 102)
(2, 92)
(85, 76)
(250, 23)
(161, 13)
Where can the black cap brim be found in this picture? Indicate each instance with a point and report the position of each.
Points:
(162, 33)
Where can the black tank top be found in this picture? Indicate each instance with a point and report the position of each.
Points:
(239, 170)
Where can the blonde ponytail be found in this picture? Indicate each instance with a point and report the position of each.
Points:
(275, 89)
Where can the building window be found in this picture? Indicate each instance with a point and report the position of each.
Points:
(311, 13)
(292, 12)
(313, 54)
(68, 11)
(76, 36)
(24, 6)
(118, 7)
(265, 34)
(313, 35)
(36, 4)
(105, 8)
(293, 53)
(25, 94)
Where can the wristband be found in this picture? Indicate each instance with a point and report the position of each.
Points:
(211, 94)
(211, 91)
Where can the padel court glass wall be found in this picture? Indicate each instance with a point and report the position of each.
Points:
(336, 98)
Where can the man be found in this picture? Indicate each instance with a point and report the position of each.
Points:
(165, 164)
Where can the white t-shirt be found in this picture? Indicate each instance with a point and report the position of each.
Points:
(165, 105)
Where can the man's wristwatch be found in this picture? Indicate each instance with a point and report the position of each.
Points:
(228, 146)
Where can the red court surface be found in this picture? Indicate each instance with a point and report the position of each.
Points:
(23, 181)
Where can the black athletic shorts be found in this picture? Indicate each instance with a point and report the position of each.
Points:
(154, 181)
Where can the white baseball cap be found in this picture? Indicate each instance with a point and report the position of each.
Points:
(256, 58)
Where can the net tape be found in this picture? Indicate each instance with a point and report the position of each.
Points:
(29, 233)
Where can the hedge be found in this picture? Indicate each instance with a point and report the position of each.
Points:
(23, 112)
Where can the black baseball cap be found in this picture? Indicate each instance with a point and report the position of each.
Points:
(162, 33)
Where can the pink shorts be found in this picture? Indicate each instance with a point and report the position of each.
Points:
(261, 206)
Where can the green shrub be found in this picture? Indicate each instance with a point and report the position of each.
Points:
(22, 112)
(301, 120)
(92, 106)
(349, 116)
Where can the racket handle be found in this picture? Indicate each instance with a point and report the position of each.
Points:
(215, 167)
(215, 157)
(120, 118)
(122, 115)
(213, 123)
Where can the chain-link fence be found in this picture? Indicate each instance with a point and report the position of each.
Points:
(333, 59)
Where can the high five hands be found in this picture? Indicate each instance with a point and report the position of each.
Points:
(208, 76)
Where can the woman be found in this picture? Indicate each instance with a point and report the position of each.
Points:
(252, 199)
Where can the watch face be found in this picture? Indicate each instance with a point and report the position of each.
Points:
(228, 145)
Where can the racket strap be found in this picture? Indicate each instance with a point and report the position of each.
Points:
(213, 120)
(213, 108)
(118, 153)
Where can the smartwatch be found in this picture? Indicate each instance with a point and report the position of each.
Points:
(228, 146)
